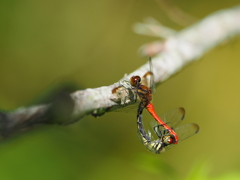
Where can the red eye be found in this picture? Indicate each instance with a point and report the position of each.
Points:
(135, 80)
(170, 140)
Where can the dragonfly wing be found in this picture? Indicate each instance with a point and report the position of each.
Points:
(152, 84)
(148, 78)
(169, 146)
(132, 108)
(187, 130)
(172, 118)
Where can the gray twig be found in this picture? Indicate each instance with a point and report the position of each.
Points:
(172, 55)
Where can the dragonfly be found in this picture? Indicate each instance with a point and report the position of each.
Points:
(165, 139)
(145, 94)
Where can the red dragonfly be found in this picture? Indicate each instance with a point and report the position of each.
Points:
(164, 137)
(145, 95)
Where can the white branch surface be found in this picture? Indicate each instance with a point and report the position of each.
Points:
(176, 52)
(185, 46)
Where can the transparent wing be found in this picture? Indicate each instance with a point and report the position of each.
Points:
(169, 146)
(187, 130)
(171, 118)
(148, 78)
(128, 108)
(152, 84)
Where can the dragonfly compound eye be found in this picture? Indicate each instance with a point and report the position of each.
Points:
(135, 80)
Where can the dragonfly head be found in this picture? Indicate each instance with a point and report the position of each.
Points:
(168, 140)
(135, 80)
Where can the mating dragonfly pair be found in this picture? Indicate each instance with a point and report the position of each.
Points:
(166, 129)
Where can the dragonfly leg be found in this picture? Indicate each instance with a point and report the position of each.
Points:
(160, 132)
(157, 132)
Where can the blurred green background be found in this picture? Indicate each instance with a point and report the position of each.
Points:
(91, 43)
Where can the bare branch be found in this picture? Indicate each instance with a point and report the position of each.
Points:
(173, 54)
